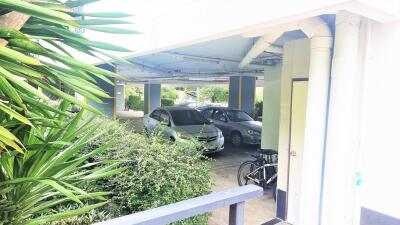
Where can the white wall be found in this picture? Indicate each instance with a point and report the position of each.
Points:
(271, 107)
(380, 127)
(296, 56)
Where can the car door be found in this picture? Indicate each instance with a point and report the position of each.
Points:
(221, 121)
(165, 124)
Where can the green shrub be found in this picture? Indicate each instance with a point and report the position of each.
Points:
(49, 173)
(169, 92)
(259, 108)
(158, 172)
(167, 102)
(91, 217)
(135, 102)
(214, 94)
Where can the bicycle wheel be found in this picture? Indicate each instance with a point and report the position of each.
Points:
(247, 174)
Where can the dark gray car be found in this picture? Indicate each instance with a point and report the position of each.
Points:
(236, 125)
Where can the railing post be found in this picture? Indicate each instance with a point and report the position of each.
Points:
(236, 214)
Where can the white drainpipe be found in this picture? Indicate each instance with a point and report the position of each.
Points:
(315, 127)
(316, 120)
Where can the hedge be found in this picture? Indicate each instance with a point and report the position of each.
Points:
(158, 172)
(167, 102)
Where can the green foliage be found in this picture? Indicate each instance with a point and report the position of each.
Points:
(158, 172)
(169, 93)
(259, 101)
(47, 175)
(214, 94)
(258, 108)
(167, 102)
(93, 216)
(35, 56)
(134, 99)
(129, 90)
(135, 102)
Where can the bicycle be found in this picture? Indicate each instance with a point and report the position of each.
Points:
(262, 171)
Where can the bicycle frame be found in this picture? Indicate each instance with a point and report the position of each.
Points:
(264, 172)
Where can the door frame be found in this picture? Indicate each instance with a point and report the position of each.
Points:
(290, 139)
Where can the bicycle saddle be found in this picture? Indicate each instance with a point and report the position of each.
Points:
(267, 151)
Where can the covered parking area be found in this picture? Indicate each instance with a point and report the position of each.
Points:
(326, 76)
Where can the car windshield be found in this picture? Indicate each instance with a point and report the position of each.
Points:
(188, 117)
(238, 116)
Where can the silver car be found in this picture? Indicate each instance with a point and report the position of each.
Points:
(236, 125)
(179, 123)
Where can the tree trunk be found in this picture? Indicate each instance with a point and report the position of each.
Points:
(13, 20)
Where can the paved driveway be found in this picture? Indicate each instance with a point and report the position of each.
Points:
(225, 165)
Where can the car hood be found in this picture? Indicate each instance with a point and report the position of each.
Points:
(196, 130)
(251, 125)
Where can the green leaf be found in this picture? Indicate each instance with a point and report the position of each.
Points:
(28, 46)
(11, 33)
(102, 14)
(112, 30)
(67, 97)
(76, 3)
(14, 114)
(106, 46)
(38, 11)
(10, 91)
(9, 139)
(22, 83)
(74, 63)
(61, 189)
(59, 216)
(12, 54)
(100, 22)
(17, 67)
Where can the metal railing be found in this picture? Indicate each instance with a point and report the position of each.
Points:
(234, 197)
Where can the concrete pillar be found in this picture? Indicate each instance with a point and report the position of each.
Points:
(152, 97)
(342, 140)
(107, 107)
(271, 107)
(242, 93)
(315, 129)
(119, 96)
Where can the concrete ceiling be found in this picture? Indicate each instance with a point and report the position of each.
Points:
(204, 63)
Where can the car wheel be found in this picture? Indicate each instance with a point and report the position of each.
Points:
(236, 139)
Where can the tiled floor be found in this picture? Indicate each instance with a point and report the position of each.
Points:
(225, 165)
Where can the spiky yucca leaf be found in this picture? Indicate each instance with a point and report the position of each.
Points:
(36, 55)
(48, 173)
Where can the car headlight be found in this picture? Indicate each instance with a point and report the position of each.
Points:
(253, 132)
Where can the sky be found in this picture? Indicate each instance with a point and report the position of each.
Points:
(144, 12)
